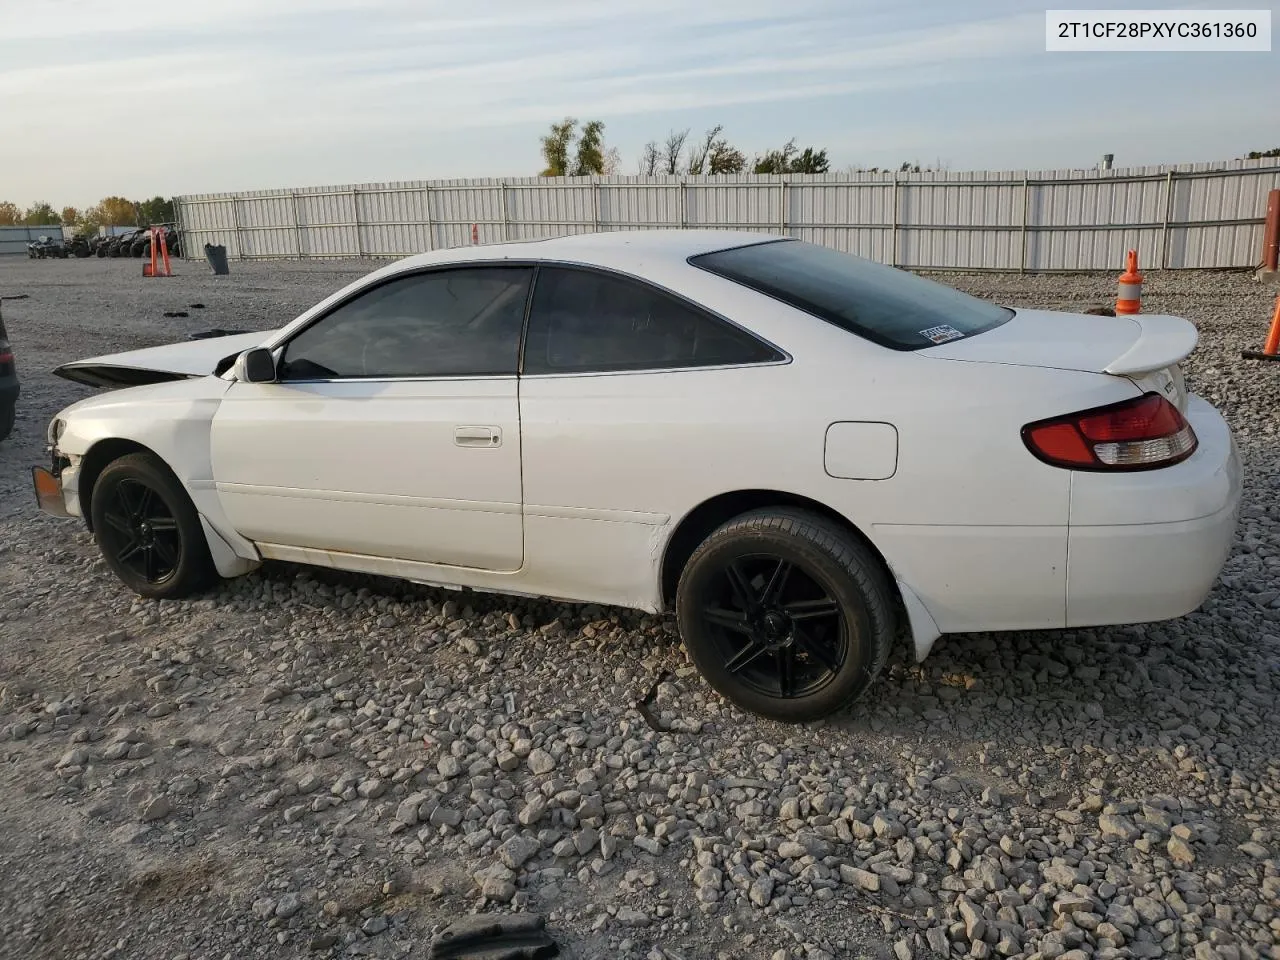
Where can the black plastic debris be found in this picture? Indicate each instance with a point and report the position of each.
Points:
(215, 332)
(644, 705)
(217, 257)
(196, 306)
(518, 937)
(176, 313)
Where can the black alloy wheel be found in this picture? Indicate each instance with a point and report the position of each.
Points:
(775, 626)
(141, 532)
(148, 530)
(786, 614)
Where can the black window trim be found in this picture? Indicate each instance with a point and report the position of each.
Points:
(867, 335)
(425, 270)
(781, 356)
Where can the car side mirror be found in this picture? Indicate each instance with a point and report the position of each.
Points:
(255, 366)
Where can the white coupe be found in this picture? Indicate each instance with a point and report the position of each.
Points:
(796, 450)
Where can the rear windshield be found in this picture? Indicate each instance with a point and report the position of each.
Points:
(886, 305)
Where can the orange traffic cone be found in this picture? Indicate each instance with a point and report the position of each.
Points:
(1129, 289)
(159, 251)
(1271, 350)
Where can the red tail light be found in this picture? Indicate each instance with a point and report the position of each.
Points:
(1132, 435)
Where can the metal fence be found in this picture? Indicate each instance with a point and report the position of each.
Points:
(1186, 216)
(15, 239)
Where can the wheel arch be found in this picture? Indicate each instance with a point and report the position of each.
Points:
(96, 459)
(695, 525)
(228, 555)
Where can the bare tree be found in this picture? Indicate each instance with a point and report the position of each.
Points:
(612, 161)
(699, 151)
(650, 157)
(673, 149)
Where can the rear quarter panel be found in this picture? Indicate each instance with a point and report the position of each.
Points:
(968, 519)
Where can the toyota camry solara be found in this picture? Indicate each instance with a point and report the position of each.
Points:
(801, 453)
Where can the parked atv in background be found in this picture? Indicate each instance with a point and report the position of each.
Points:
(122, 246)
(81, 245)
(46, 248)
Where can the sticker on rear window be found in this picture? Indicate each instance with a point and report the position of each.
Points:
(941, 333)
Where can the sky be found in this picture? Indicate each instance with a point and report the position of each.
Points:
(101, 97)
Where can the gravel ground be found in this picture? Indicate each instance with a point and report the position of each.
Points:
(312, 764)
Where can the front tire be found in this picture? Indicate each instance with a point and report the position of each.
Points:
(786, 614)
(148, 530)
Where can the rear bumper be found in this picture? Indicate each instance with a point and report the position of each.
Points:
(1140, 547)
(1149, 546)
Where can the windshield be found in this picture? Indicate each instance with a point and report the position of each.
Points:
(886, 305)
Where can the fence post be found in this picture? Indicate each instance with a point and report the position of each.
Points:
(782, 207)
(355, 219)
(235, 226)
(177, 225)
(426, 206)
(1168, 210)
(893, 225)
(1026, 204)
(506, 221)
(297, 225)
(684, 203)
(595, 205)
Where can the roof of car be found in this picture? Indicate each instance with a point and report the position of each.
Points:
(605, 248)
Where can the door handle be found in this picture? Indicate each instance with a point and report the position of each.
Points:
(477, 436)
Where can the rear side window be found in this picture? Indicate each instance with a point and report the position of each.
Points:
(588, 321)
(888, 306)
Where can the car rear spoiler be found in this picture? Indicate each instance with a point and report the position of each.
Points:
(1164, 340)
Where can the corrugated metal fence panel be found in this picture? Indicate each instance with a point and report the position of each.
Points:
(629, 206)
(15, 239)
(1192, 215)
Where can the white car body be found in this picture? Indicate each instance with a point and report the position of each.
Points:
(574, 486)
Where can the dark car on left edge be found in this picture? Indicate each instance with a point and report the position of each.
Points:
(8, 383)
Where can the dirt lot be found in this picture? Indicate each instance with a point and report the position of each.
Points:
(310, 764)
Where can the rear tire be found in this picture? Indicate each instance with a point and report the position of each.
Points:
(786, 614)
(148, 530)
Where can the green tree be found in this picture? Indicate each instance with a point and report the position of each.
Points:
(40, 215)
(117, 212)
(156, 210)
(10, 213)
(1259, 154)
(776, 161)
(791, 159)
(555, 147)
(70, 215)
(591, 155)
(714, 155)
(811, 161)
